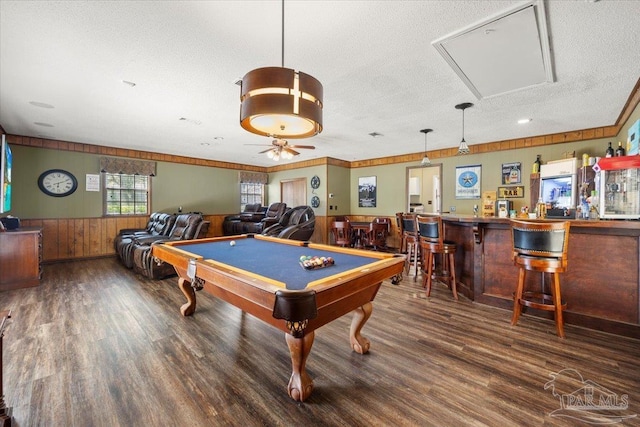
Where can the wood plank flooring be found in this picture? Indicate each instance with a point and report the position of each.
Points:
(97, 345)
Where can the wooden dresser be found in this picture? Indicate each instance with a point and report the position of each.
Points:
(20, 258)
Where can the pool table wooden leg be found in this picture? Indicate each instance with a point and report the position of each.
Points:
(189, 307)
(300, 384)
(360, 344)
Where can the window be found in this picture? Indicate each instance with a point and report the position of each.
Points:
(251, 193)
(126, 194)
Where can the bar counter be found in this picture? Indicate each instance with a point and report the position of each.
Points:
(601, 285)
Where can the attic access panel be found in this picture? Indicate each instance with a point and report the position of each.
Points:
(504, 53)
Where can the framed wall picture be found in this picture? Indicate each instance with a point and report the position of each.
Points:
(367, 192)
(468, 181)
(511, 173)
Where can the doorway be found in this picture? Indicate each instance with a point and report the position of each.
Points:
(293, 192)
(424, 189)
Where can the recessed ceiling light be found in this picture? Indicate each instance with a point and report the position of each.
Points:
(205, 144)
(128, 83)
(218, 138)
(40, 104)
(524, 121)
(47, 125)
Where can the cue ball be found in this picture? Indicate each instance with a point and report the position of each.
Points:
(232, 243)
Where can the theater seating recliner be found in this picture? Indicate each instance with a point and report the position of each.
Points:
(233, 224)
(160, 224)
(186, 227)
(249, 226)
(296, 224)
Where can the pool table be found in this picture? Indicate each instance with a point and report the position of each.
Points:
(263, 276)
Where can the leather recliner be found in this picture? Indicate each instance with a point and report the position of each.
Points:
(232, 224)
(186, 227)
(296, 224)
(124, 242)
(275, 211)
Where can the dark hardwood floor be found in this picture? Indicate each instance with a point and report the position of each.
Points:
(96, 345)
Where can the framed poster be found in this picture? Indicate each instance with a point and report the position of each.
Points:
(367, 194)
(468, 181)
(511, 173)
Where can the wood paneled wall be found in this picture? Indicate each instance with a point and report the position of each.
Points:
(84, 238)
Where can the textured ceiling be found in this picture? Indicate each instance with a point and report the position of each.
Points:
(374, 58)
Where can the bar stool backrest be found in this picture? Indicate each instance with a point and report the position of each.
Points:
(409, 224)
(430, 228)
(541, 239)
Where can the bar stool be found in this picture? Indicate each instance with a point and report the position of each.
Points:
(431, 232)
(401, 241)
(540, 246)
(412, 241)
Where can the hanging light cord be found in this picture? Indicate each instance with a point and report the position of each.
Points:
(282, 60)
(463, 125)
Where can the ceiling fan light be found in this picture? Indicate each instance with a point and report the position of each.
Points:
(270, 154)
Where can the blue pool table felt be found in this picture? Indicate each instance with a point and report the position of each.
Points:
(275, 260)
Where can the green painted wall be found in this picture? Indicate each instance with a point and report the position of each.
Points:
(216, 190)
(339, 186)
(195, 188)
(273, 189)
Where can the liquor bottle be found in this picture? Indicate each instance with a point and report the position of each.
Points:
(536, 165)
(620, 150)
(609, 152)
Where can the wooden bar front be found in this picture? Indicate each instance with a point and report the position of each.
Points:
(601, 286)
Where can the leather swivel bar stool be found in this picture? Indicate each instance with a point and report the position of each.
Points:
(431, 232)
(412, 242)
(540, 247)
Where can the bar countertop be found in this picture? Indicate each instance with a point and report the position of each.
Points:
(601, 285)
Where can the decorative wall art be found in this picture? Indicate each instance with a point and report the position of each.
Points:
(468, 181)
(367, 194)
(511, 173)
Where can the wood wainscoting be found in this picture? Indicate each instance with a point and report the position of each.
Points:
(66, 239)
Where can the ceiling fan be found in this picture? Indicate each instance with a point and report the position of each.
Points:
(281, 148)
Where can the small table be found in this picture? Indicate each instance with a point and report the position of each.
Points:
(359, 230)
(262, 276)
(5, 413)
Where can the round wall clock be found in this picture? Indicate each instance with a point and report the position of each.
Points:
(57, 183)
(315, 201)
(315, 182)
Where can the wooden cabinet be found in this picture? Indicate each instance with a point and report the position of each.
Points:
(20, 258)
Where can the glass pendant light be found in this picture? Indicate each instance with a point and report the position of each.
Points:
(463, 148)
(425, 160)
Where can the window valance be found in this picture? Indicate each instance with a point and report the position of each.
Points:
(254, 177)
(127, 166)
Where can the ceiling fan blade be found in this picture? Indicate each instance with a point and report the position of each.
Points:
(265, 151)
(289, 150)
(309, 147)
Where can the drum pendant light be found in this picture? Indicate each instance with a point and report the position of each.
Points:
(425, 160)
(463, 148)
(281, 102)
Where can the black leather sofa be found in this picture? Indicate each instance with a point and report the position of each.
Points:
(159, 224)
(186, 227)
